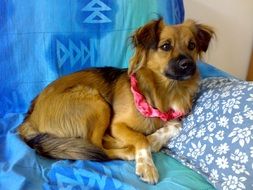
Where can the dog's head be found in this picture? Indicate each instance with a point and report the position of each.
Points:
(171, 51)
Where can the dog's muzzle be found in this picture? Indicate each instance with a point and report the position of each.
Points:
(181, 68)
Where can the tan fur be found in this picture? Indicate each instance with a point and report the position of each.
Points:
(84, 116)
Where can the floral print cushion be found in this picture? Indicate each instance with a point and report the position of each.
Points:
(217, 137)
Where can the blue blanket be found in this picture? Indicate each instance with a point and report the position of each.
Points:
(44, 39)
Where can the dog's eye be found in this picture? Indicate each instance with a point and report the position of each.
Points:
(191, 45)
(166, 47)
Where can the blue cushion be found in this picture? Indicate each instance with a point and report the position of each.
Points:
(217, 136)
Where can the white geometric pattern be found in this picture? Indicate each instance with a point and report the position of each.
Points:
(96, 16)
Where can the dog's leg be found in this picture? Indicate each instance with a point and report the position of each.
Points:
(162, 135)
(145, 167)
(99, 126)
(126, 153)
(110, 142)
(116, 149)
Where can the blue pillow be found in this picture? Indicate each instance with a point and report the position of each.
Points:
(217, 136)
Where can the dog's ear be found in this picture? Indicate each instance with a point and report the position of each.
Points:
(147, 37)
(137, 61)
(203, 34)
(143, 39)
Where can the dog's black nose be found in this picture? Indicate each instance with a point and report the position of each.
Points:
(180, 68)
(185, 63)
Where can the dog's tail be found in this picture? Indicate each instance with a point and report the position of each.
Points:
(60, 147)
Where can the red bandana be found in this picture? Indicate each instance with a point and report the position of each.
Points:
(146, 109)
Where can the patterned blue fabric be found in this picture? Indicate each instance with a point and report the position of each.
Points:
(121, 175)
(217, 137)
(44, 39)
(41, 40)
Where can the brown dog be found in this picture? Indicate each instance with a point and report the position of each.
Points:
(109, 113)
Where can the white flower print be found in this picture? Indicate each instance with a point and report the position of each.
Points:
(209, 137)
(250, 87)
(209, 116)
(225, 94)
(196, 150)
(219, 135)
(239, 156)
(189, 126)
(209, 158)
(249, 114)
(227, 87)
(239, 87)
(201, 132)
(211, 126)
(214, 148)
(251, 98)
(230, 104)
(233, 182)
(237, 93)
(214, 176)
(182, 138)
(207, 104)
(179, 145)
(222, 162)
(216, 96)
(192, 133)
(208, 94)
(222, 149)
(215, 106)
(199, 110)
(171, 145)
(241, 135)
(251, 152)
(237, 119)
(223, 121)
(201, 118)
(190, 118)
(246, 108)
(203, 166)
(239, 168)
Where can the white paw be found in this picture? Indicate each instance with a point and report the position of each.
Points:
(159, 138)
(155, 142)
(145, 167)
(147, 172)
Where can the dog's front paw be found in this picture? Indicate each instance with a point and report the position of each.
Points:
(145, 167)
(155, 142)
(174, 129)
(147, 172)
(159, 138)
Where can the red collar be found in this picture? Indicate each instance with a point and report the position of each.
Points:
(146, 109)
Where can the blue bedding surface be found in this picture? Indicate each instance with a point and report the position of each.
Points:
(44, 39)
